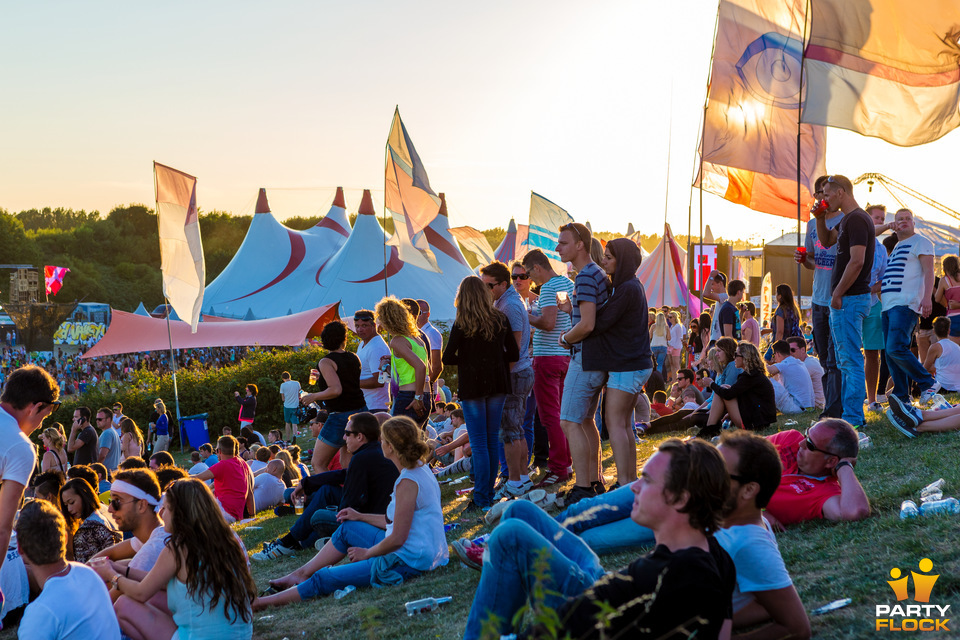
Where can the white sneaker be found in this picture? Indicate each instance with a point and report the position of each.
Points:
(927, 395)
(510, 491)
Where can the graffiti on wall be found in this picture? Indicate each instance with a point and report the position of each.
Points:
(75, 333)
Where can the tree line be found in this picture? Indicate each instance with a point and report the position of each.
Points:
(116, 258)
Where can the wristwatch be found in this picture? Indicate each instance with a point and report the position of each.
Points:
(842, 463)
(563, 339)
(115, 582)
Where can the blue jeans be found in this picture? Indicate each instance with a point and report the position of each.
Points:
(526, 534)
(325, 496)
(403, 399)
(324, 522)
(659, 356)
(898, 325)
(604, 522)
(832, 406)
(358, 574)
(846, 327)
(483, 426)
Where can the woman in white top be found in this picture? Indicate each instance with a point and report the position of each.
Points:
(659, 335)
(384, 549)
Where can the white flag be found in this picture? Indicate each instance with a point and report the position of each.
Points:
(181, 252)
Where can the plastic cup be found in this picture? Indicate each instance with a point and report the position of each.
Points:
(802, 254)
(314, 376)
(298, 505)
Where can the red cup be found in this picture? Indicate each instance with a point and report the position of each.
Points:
(819, 207)
(802, 255)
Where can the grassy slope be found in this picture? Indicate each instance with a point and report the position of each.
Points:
(828, 561)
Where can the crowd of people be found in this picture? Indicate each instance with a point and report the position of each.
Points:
(74, 374)
(548, 368)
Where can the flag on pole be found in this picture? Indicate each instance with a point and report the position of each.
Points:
(766, 299)
(546, 218)
(181, 252)
(474, 242)
(409, 198)
(53, 278)
(749, 143)
(884, 68)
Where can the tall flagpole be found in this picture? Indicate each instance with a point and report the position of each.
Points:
(666, 202)
(173, 363)
(803, 50)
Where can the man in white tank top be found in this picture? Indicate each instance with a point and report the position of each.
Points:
(943, 357)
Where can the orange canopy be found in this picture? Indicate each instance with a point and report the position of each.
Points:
(130, 333)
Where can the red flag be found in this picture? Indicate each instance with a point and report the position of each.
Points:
(53, 278)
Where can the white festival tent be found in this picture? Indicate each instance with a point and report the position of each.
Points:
(276, 269)
(445, 247)
(664, 272)
(358, 276)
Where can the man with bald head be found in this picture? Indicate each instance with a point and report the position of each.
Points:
(268, 486)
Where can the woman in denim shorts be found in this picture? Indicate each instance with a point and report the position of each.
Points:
(620, 345)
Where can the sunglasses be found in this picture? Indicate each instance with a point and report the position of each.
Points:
(367, 317)
(56, 404)
(737, 354)
(115, 503)
(571, 227)
(347, 432)
(812, 447)
(491, 285)
(740, 479)
(520, 276)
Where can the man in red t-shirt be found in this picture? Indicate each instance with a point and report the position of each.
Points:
(818, 476)
(232, 480)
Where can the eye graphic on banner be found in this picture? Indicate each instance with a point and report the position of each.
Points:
(770, 70)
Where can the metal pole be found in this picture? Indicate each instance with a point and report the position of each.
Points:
(173, 362)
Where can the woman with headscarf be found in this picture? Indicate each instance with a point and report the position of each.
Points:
(620, 345)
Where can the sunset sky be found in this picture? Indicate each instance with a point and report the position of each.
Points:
(576, 101)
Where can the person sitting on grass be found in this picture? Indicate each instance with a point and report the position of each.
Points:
(134, 498)
(765, 591)
(680, 496)
(794, 390)
(383, 549)
(268, 486)
(203, 568)
(367, 482)
(750, 402)
(911, 421)
(73, 601)
(232, 481)
(943, 358)
(91, 527)
(818, 481)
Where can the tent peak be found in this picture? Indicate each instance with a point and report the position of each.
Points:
(366, 205)
(262, 205)
(338, 200)
(443, 205)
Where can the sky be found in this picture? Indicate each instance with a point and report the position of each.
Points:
(583, 103)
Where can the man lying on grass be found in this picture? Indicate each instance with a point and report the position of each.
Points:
(765, 594)
(679, 495)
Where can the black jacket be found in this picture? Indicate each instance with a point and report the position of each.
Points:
(620, 340)
(484, 368)
(755, 398)
(367, 481)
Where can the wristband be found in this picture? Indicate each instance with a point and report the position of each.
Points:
(127, 573)
(115, 582)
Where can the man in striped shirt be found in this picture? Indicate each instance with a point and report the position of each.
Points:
(905, 293)
(550, 360)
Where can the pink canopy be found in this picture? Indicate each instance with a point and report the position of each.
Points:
(130, 333)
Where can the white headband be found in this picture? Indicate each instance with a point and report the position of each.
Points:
(133, 492)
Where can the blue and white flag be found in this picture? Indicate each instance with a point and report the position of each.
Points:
(546, 218)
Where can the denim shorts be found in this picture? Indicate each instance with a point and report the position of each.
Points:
(332, 432)
(628, 381)
(581, 389)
